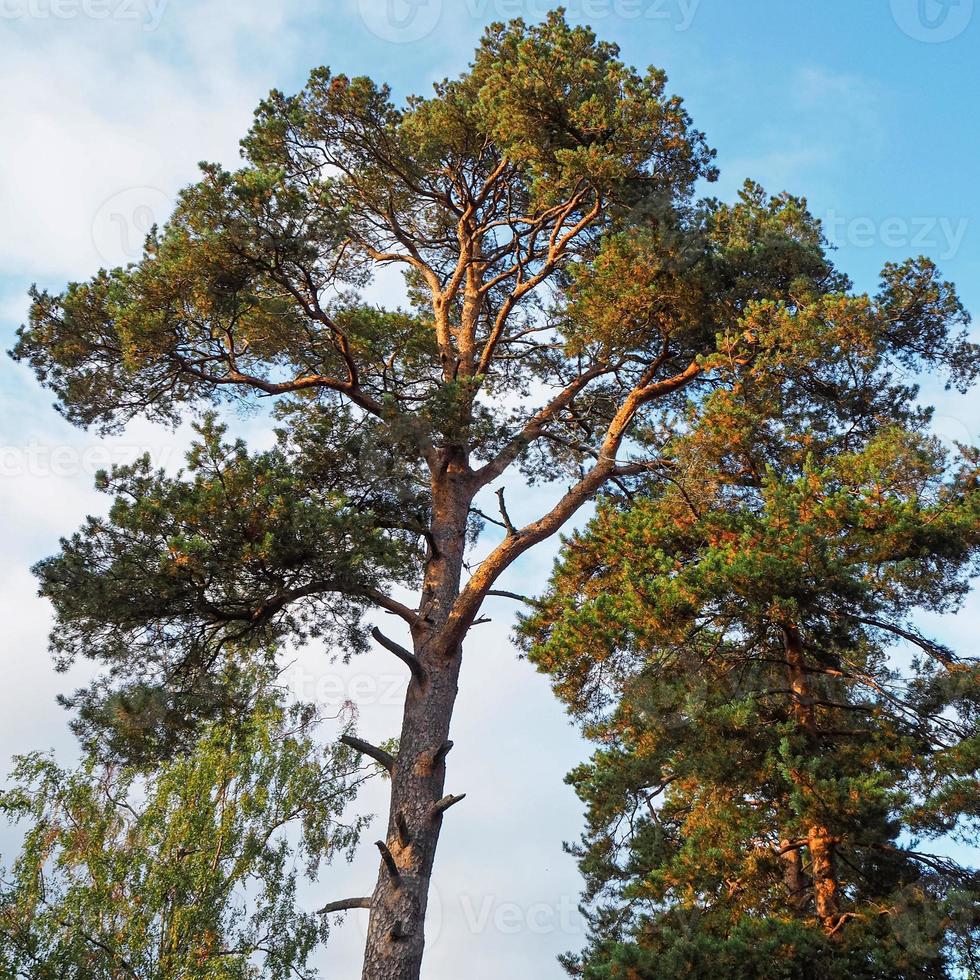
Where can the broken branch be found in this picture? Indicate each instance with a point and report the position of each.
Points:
(345, 905)
(438, 809)
(440, 753)
(383, 758)
(389, 861)
(507, 522)
(405, 656)
(401, 824)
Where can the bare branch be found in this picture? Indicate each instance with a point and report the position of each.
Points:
(383, 758)
(486, 517)
(345, 905)
(502, 506)
(391, 605)
(935, 650)
(404, 655)
(440, 753)
(438, 809)
(516, 596)
(389, 861)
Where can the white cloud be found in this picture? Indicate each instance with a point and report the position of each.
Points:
(815, 127)
(101, 108)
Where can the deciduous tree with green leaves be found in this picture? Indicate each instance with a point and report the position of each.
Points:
(189, 870)
(564, 287)
(769, 765)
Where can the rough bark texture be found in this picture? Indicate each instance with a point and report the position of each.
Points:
(447, 609)
(826, 890)
(395, 933)
(820, 843)
(799, 682)
(794, 878)
(396, 939)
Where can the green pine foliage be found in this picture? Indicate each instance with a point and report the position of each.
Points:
(569, 301)
(191, 578)
(778, 742)
(564, 288)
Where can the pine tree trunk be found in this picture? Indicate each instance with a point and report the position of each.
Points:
(821, 845)
(799, 682)
(396, 940)
(826, 889)
(794, 878)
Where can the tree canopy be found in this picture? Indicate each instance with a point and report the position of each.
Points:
(768, 764)
(566, 294)
(189, 869)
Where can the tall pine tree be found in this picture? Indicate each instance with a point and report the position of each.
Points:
(564, 287)
(777, 738)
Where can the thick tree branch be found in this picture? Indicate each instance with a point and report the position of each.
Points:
(391, 605)
(439, 808)
(383, 758)
(513, 546)
(405, 656)
(345, 905)
(536, 425)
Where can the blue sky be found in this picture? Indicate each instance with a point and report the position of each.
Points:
(868, 108)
